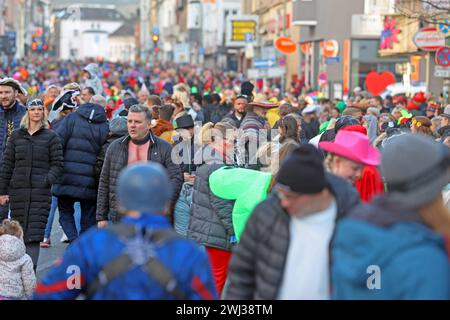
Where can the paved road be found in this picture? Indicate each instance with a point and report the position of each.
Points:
(49, 255)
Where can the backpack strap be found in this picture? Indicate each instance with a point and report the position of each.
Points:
(123, 263)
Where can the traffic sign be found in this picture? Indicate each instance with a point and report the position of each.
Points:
(323, 77)
(269, 73)
(263, 63)
(441, 72)
(443, 57)
(248, 37)
(332, 60)
(429, 39)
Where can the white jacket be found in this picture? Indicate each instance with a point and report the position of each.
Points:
(17, 278)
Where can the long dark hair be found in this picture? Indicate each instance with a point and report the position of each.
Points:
(289, 129)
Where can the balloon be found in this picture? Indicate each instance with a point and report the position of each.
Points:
(247, 187)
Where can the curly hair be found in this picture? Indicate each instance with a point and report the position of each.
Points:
(12, 228)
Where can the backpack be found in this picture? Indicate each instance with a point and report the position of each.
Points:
(133, 237)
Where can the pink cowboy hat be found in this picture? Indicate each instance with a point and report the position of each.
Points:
(354, 146)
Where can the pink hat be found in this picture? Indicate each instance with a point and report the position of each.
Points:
(354, 146)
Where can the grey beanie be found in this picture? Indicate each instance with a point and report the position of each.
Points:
(118, 126)
(416, 168)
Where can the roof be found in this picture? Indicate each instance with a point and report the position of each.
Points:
(95, 31)
(96, 14)
(125, 30)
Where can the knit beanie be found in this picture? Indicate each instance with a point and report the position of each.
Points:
(302, 171)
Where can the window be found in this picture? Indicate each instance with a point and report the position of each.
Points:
(75, 33)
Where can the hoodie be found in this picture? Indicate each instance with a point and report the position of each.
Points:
(94, 113)
(94, 81)
(17, 279)
(385, 251)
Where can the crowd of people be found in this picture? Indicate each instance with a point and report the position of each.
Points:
(291, 196)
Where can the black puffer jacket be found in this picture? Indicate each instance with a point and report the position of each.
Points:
(210, 223)
(31, 165)
(82, 134)
(257, 265)
(116, 159)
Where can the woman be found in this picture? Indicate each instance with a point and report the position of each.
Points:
(289, 130)
(421, 125)
(210, 223)
(349, 153)
(33, 161)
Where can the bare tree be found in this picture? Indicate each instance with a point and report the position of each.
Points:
(425, 11)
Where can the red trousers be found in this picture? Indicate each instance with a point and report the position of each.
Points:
(219, 260)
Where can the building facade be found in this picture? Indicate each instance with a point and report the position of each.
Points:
(122, 43)
(83, 31)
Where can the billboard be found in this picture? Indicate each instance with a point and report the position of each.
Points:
(238, 27)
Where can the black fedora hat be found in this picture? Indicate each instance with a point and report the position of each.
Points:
(185, 122)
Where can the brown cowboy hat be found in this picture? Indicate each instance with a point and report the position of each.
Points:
(261, 101)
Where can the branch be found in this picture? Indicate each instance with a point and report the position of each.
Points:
(434, 5)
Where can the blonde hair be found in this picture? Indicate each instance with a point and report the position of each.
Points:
(211, 130)
(180, 94)
(25, 122)
(12, 228)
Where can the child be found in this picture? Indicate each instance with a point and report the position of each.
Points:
(17, 278)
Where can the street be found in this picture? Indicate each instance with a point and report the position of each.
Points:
(47, 256)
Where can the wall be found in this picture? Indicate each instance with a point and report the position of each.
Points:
(69, 39)
(121, 49)
(333, 23)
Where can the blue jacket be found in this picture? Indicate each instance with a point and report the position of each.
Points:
(17, 113)
(412, 259)
(83, 134)
(97, 247)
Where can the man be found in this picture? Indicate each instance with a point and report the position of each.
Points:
(122, 111)
(11, 113)
(87, 94)
(250, 130)
(140, 258)
(184, 143)
(82, 134)
(163, 127)
(444, 131)
(52, 92)
(310, 124)
(139, 145)
(283, 252)
(143, 95)
(238, 114)
(394, 248)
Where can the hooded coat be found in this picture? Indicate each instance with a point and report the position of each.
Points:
(94, 81)
(17, 278)
(83, 134)
(385, 251)
(210, 221)
(15, 113)
(32, 163)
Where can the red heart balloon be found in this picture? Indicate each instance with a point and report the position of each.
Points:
(376, 82)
